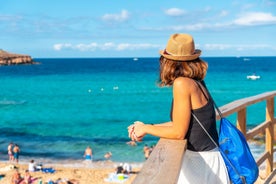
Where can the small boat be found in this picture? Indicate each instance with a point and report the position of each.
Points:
(253, 77)
(135, 59)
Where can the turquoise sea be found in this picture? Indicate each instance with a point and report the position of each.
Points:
(55, 109)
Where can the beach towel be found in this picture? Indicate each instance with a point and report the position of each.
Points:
(48, 170)
(116, 178)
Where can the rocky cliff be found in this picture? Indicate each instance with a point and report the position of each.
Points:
(7, 58)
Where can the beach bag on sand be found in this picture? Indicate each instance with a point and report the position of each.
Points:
(241, 165)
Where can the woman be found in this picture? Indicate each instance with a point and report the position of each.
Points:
(10, 153)
(27, 177)
(16, 178)
(181, 68)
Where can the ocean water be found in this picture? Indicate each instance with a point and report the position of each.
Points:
(55, 109)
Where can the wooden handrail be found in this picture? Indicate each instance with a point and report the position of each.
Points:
(164, 163)
(238, 105)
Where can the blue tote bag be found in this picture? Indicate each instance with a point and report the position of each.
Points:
(241, 165)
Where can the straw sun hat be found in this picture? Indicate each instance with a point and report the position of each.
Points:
(181, 47)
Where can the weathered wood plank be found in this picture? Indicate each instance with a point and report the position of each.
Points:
(260, 129)
(164, 163)
(238, 105)
(241, 121)
(262, 158)
(269, 133)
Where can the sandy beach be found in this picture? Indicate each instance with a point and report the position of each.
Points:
(85, 173)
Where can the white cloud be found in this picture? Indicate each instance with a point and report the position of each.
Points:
(223, 13)
(85, 47)
(141, 46)
(243, 47)
(60, 46)
(188, 27)
(105, 46)
(207, 9)
(253, 47)
(121, 17)
(217, 46)
(174, 12)
(110, 46)
(245, 20)
(255, 18)
(10, 18)
(269, 2)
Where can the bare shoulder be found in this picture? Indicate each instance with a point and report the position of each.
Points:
(184, 85)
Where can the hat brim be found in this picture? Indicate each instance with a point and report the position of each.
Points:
(181, 58)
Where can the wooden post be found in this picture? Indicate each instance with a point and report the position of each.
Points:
(241, 121)
(269, 134)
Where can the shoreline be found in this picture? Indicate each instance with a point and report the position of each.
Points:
(75, 171)
(96, 164)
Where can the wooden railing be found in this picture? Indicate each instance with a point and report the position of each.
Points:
(164, 163)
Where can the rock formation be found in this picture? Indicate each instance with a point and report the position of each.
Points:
(7, 58)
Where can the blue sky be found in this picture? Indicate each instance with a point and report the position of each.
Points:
(129, 28)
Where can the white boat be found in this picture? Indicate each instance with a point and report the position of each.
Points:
(253, 77)
(135, 59)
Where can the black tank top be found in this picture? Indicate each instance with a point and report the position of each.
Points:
(197, 139)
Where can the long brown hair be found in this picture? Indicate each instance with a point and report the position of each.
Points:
(171, 69)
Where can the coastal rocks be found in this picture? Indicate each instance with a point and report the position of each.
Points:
(7, 58)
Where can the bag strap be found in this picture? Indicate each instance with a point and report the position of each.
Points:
(200, 85)
(205, 130)
(221, 151)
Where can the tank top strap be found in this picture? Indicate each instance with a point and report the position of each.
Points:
(201, 85)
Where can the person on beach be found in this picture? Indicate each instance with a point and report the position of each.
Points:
(88, 154)
(16, 178)
(132, 143)
(16, 151)
(127, 168)
(146, 151)
(27, 177)
(183, 70)
(32, 166)
(10, 152)
(120, 169)
(108, 155)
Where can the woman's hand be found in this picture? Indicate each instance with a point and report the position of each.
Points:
(136, 131)
(130, 131)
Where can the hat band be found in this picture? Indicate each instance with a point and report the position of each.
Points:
(168, 53)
